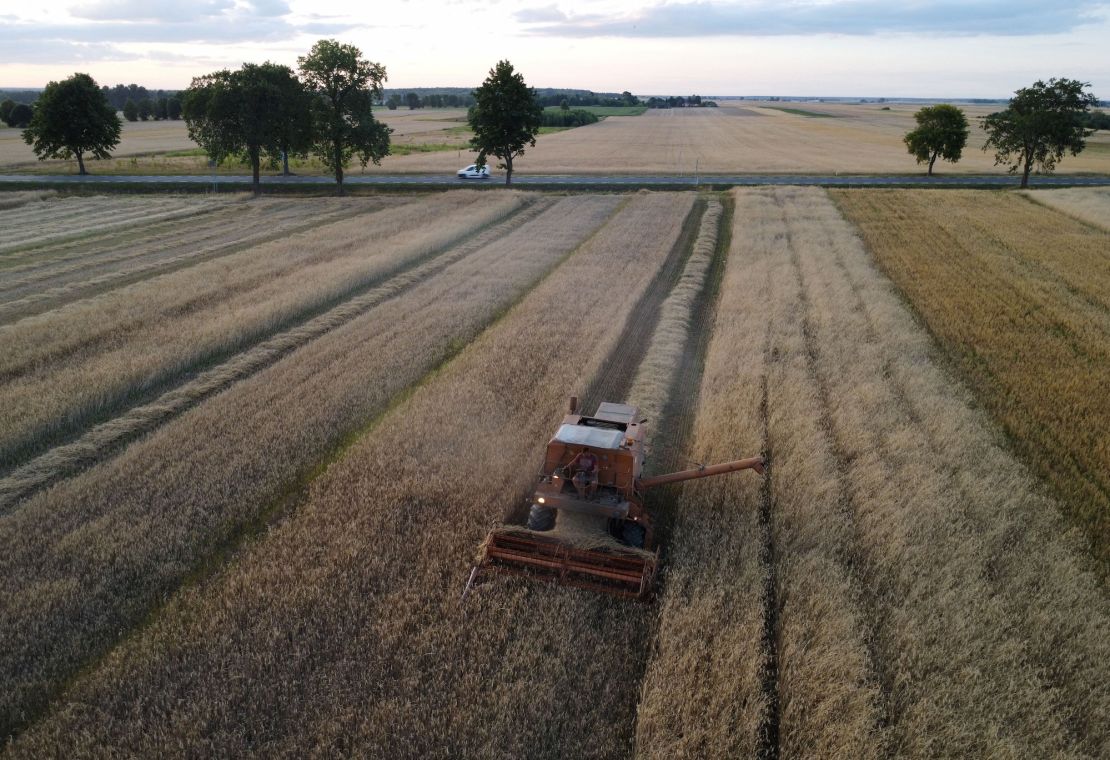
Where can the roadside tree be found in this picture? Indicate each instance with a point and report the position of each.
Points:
(505, 117)
(146, 109)
(1041, 122)
(6, 109)
(246, 112)
(173, 108)
(941, 132)
(345, 86)
(131, 110)
(72, 118)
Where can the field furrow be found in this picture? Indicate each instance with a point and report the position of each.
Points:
(130, 344)
(80, 270)
(964, 653)
(86, 560)
(341, 630)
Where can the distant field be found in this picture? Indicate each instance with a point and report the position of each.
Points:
(801, 112)
(861, 139)
(605, 110)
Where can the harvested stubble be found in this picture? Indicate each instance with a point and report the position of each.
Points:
(1087, 204)
(39, 223)
(86, 360)
(1019, 297)
(341, 631)
(103, 439)
(988, 623)
(86, 560)
(9, 200)
(41, 278)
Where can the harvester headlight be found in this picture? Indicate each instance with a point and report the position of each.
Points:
(541, 501)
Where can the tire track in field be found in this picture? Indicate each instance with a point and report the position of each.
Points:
(103, 439)
(37, 301)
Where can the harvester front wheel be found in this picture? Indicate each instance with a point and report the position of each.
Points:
(633, 534)
(541, 518)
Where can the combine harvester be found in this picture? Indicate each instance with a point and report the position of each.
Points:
(587, 526)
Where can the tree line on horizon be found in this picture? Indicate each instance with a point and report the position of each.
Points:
(268, 111)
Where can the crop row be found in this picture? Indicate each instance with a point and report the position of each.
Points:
(52, 275)
(85, 361)
(341, 631)
(37, 223)
(86, 560)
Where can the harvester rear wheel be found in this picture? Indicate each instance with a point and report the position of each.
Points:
(541, 518)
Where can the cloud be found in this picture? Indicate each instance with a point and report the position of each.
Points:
(99, 27)
(541, 15)
(807, 17)
(165, 11)
(56, 51)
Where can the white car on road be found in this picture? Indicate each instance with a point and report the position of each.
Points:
(473, 172)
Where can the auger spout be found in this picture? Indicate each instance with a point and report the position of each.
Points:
(751, 463)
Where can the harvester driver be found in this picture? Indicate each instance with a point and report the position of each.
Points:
(584, 467)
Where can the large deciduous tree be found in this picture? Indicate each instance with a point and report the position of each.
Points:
(250, 112)
(1040, 124)
(73, 118)
(941, 133)
(505, 117)
(345, 86)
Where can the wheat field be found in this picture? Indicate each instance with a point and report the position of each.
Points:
(264, 556)
(1019, 297)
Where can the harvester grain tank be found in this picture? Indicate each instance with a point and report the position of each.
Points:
(588, 526)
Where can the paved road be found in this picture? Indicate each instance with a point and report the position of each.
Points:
(575, 180)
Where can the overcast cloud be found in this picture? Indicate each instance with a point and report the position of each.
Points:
(806, 17)
(97, 29)
(930, 48)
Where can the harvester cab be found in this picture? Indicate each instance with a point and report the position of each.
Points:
(587, 524)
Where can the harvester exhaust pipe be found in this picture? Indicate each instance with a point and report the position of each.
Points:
(751, 463)
(573, 405)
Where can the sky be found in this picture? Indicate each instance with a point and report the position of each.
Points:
(892, 48)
